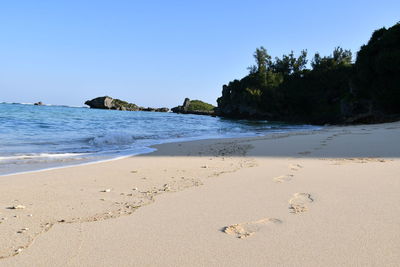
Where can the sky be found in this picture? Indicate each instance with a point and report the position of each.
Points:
(156, 53)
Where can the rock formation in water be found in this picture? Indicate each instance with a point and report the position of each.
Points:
(195, 107)
(106, 102)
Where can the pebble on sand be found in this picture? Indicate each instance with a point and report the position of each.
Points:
(18, 207)
(23, 230)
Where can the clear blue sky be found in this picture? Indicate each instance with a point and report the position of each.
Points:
(156, 53)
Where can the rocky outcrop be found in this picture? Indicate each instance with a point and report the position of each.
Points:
(106, 102)
(103, 102)
(182, 109)
(154, 109)
(195, 107)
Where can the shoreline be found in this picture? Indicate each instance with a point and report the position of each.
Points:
(153, 148)
(232, 201)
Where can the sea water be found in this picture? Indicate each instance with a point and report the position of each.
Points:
(38, 137)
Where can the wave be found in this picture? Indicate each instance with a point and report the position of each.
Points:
(48, 105)
(112, 139)
(16, 103)
(40, 155)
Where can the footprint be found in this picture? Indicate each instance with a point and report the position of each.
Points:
(298, 203)
(295, 167)
(283, 178)
(243, 230)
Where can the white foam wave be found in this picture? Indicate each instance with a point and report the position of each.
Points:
(41, 155)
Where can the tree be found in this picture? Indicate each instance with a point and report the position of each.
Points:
(339, 57)
(252, 69)
(289, 64)
(263, 60)
(300, 63)
(377, 70)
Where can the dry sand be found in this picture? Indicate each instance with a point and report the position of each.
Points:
(326, 198)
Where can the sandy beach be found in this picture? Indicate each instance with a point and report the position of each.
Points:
(319, 198)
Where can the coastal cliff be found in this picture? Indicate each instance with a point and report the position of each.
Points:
(333, 91)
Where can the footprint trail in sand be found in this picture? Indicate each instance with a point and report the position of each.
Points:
(243, 230)
(295, 167)
(287, 177)
(298, 203)
(283, 178)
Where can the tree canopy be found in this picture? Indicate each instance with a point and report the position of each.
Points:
(331, 90)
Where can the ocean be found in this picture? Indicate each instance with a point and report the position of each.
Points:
(41, 137)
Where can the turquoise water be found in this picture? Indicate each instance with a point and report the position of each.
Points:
(37, 137)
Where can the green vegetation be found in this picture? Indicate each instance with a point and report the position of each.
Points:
(333, 90)
(377, 70)
(120, 104)
(197, 105)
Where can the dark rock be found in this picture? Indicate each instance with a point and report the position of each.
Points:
(103, 102)
(162, 109)
(148, 109)
(186, 103)
(40, 103)
(106, 102)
